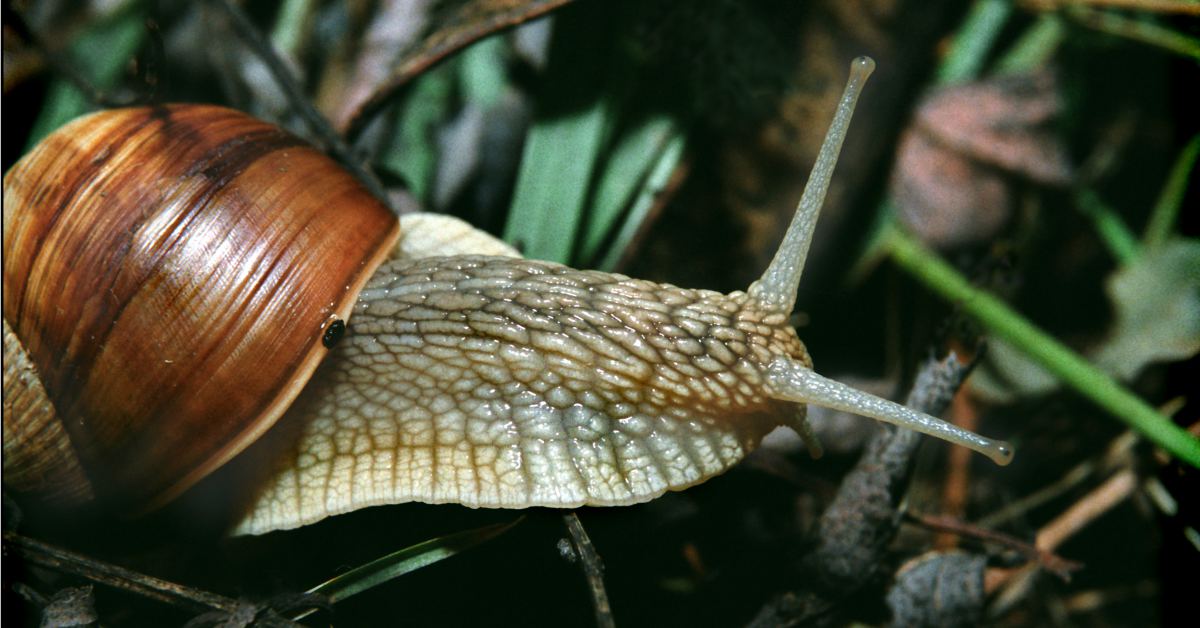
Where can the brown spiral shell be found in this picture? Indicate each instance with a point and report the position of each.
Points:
(170, 272)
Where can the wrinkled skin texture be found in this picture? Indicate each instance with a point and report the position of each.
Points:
(500, 382)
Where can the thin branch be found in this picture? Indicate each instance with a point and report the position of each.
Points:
(1048, 560)
(471, 22)
(164, 591)
(1117, 453)
(1015, 583)
(178, 595)
(593, 570)
(1096, 503)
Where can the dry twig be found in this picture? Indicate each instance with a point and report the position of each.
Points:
(1049, 561)
(593, 570)
(178, 595)
(857, 527)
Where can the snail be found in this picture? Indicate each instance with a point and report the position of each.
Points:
(173, 276)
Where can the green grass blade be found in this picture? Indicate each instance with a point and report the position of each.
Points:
(1035, 47)
(413, 151)
(482, 75)
(1170, 200)
(574, 111)
(974, 40)
(1139, 29)
(1055, 357)
(625, 169)
(292, 23)
(1108, 224)
(552, 187)
(407, 560)
(647, 195)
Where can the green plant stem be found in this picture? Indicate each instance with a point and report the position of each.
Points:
(1112, 230)
(1166, 210)
(1137, 30)
(1055, 357)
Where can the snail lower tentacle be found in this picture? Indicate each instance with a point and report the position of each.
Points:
(789, 380)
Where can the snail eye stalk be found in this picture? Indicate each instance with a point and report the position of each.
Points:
(775, 291)
(792, 381)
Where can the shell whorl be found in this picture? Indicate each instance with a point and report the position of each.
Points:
(38, 455)
(169, 271)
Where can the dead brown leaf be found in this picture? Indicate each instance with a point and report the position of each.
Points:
(951, 181)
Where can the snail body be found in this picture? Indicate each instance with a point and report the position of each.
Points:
(507, 382)
(488, 381)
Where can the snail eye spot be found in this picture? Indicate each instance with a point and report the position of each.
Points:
(333, 333)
